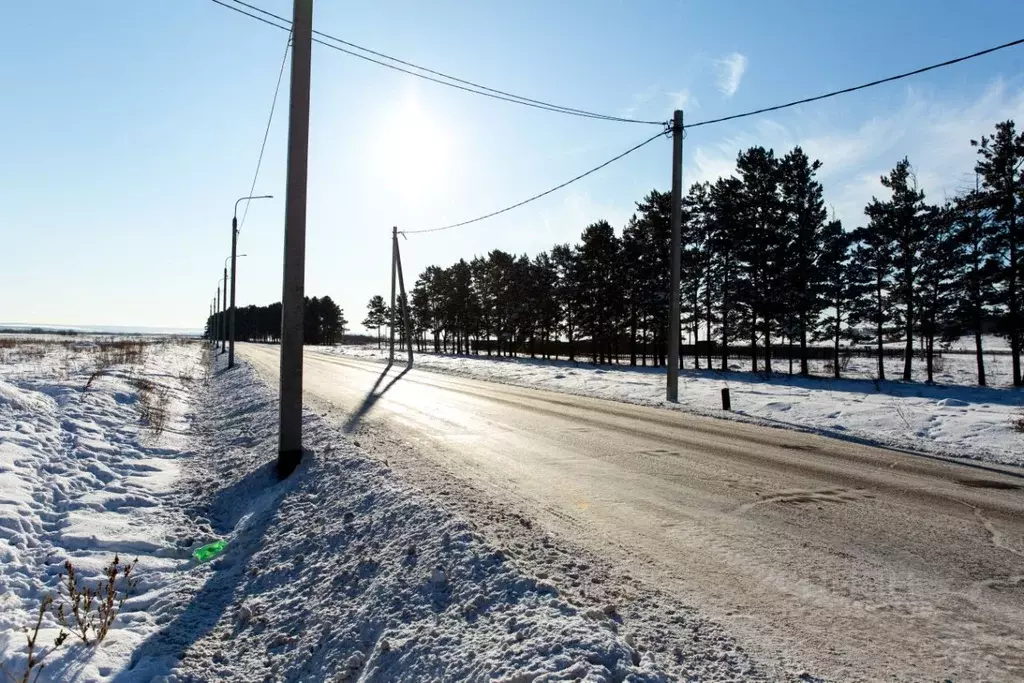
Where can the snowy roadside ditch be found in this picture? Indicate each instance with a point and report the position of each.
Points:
(945, 419)
(343, 572)
(92, 436)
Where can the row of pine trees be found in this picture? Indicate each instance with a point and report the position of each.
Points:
(323, 322)
(763, 265)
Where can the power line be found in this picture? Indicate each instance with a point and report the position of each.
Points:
(266, 133)
(475, 88)
(738, 116)
(538, 196)
(435, 77)
(858, 87)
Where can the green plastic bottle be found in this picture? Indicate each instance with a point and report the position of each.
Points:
(210, 550)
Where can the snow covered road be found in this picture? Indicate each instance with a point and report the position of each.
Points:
(863, 563)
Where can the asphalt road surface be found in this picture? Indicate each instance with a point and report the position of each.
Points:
(860, 562)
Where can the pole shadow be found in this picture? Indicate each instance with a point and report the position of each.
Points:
(372, 397)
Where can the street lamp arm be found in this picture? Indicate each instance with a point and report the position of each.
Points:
(228, 258)
(242, 199)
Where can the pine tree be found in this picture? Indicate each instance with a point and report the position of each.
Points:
(376, 315)
(939, 275)
(332, 321)
(543, 284)
(841, 281)
(724, 268)
(763, 244)
(902, 218)
(1000, 162)
(873, 251)
(695, 271)
(599, 255)
(973, 233)
(802, 197)
(646, 243)
(568, 292)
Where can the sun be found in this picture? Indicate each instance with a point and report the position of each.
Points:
(412, 151)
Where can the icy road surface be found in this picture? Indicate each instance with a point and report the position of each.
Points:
(860, 562)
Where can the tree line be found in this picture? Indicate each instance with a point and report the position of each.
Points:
(323, 322)
(763, 266)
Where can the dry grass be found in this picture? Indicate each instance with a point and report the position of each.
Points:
(154, 401)
(75, 355)
(122, 352)
(91, 611)
(34, 661)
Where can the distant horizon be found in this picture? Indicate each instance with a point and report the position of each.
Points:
(111, 329)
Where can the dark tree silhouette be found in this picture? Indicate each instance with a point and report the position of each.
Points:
(803, 202)
(939, 274)
(1000, 161)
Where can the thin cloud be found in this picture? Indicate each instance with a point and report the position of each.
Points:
(682, 99)
(934, 133)
(641, 100)
(730, 70)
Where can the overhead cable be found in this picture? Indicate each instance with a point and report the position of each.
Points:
(538, 196)
(423, 72)
(266, 133)
(855, 88)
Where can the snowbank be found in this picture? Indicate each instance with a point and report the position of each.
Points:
(342, 572)
(949, 420)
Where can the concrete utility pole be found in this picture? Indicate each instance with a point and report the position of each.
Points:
(234, 258)
(293, 293)
(224, 324)
(216, 317)
(394, 264)
(672, 394)
(406, 319)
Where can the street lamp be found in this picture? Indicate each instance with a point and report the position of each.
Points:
(234, 247)
(224, 340)
(223, 323)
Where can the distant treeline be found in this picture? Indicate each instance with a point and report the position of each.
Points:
(323, 323)
(764, 270)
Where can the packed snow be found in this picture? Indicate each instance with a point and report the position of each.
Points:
(340, 572)
(949, 418)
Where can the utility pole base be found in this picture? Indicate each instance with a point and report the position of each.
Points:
(287, 462)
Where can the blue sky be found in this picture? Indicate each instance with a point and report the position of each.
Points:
(129, 129)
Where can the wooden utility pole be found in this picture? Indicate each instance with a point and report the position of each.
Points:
(672, 393)
(294, 287)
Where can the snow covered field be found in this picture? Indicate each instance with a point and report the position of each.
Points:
(950, 418)
(341, 572)
(91, 442)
